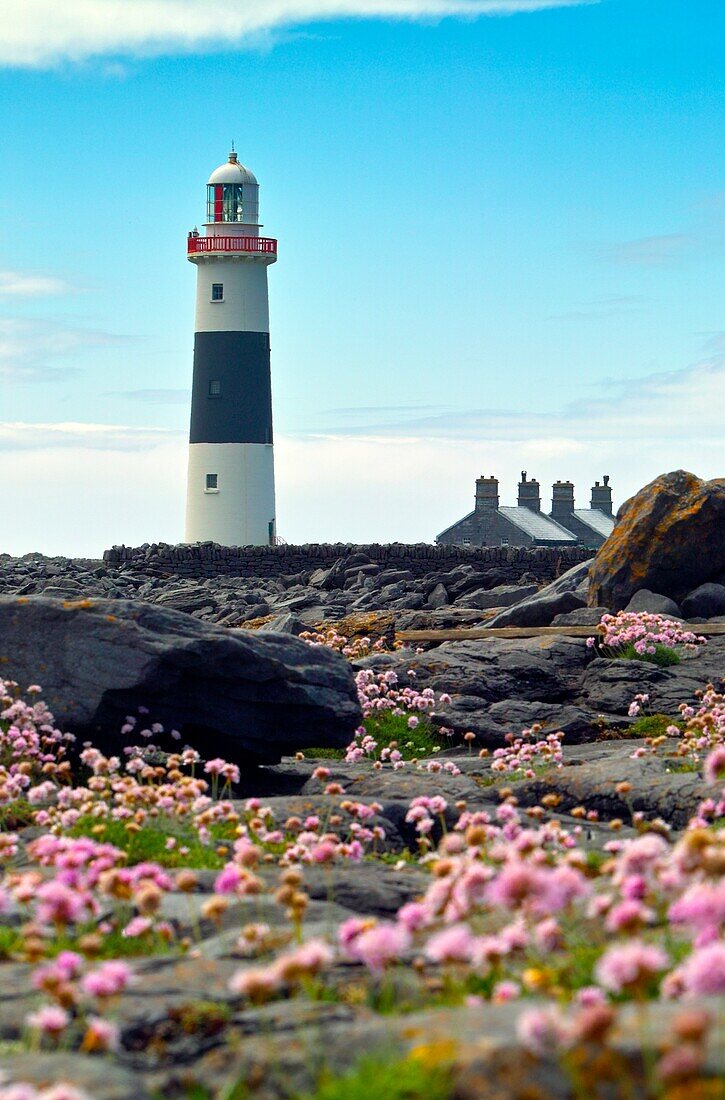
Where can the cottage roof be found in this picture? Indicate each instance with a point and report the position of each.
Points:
(536, 524)
(598, 521)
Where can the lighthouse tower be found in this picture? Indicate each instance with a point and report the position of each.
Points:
(230, 491)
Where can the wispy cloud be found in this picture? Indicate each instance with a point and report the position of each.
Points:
(21, 436)
(38, 350)
(153, 397)
(612, 305)
(673, 405)
(19, 284)
(404, 481)
(42, 32)
(657, 251)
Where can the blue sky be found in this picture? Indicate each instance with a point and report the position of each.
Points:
(501, 238)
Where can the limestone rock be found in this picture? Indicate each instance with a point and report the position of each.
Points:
(669, 538)
(235, 695)
(705, 602)
(645, 600)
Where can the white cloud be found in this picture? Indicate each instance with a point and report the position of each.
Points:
(154, 397)
(659, 251)
(44, 32)
(19, 284)
(93, 437)
(671, 405)
(78, 488)
(30, 349)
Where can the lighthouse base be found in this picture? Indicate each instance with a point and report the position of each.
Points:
(230, 494)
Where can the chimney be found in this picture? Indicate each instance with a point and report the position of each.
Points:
(602, 496)
(529, 496)
(486, 493)
(562, 499)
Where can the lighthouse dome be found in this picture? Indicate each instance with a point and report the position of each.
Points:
(232, 194)
(232, 172)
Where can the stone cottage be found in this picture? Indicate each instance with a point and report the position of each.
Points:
(493, 524)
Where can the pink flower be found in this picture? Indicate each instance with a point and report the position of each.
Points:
(702, 907)
(703, 973)
(228, 880)
(50, 1019)
(378, 946)
(505, 991)
(627, 965)
(137, 926)
(63, 1091)
(542, 1031)
(413, 916)
(101, 1034)
(714, 768)
(454, 944)
(628, 916)
(108, 979)
(257, 983)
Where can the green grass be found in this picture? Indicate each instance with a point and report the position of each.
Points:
(663, 656)
(386, 727)
(411, 1078)
(653, 725)
(149, 843)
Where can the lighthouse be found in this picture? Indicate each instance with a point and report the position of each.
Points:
(230, 488)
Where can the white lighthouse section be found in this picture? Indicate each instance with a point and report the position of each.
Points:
(230, 493)
(241, 511)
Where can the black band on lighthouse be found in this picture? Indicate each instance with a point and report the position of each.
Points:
(231, 400)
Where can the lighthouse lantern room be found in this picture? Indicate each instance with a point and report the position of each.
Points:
(230, 489)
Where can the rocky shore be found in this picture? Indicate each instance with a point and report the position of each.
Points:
(217, 664)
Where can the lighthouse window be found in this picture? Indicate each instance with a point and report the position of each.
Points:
(212, 483)
(215, 388)
(217, 292)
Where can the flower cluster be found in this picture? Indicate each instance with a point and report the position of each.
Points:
(353, 649)
(526, 753)
(640, 633)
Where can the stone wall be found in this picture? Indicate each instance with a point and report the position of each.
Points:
(211, 560)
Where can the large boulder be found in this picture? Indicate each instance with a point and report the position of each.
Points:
(644, 600)
(567, 593)
(707, 601)
(669, 538)
(238, 695)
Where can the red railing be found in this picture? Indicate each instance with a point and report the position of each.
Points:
(231, 244)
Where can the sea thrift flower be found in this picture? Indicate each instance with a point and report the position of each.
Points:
(703, 974)
(543, 1031)
(100, 1034)
(454, 944)
(109, 979)
(50, 1019)
(627, 966)
(379, 945)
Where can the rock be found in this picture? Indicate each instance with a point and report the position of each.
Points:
(539, 610)
(503, 595)
(438, 597)
(237, 695)
(581, 616)
(644, 600)
(538, 669)
(286, 623)
(652, 788)
(669, 538)
(609, 686)
(97, 1078)
(493, 723)
(705, 602)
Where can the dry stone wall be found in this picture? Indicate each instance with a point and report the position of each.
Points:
(211, 560)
